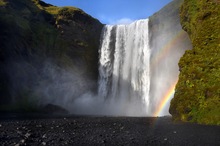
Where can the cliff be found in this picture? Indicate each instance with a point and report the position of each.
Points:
(45, 49)
(197, 96)
(168, 42)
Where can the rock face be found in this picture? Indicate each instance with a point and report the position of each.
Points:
(43, 46)
(168, 42)
(197, 96)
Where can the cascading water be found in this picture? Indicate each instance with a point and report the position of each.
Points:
(125, 68)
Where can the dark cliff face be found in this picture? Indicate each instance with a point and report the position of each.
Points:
(168, 42)
(197, 96)
(42, 46)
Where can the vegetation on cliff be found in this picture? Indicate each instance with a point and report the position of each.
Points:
(34, 34)
(197, 95)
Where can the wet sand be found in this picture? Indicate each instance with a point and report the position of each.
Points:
(90, 130)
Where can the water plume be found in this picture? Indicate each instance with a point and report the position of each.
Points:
(125, 67)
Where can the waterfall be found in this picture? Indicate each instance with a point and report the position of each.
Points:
(124, 71)
(138, 67)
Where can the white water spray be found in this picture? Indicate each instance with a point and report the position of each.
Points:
(125, 68)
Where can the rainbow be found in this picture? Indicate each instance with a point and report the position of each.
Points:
(165, 50)
(162, 54)
(166, 99)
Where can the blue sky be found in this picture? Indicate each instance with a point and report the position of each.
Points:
(115, 11)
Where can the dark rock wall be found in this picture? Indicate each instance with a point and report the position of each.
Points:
(41, 44)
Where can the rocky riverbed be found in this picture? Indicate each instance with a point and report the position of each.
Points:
(89, 130)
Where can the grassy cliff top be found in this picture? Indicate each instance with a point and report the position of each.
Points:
(40, 5)
(54, 10)
(66, 12)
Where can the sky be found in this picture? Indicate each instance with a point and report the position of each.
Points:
(115, 11)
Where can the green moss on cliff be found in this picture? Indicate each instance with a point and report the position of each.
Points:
(197, 96)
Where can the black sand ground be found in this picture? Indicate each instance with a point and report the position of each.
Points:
(82, 130)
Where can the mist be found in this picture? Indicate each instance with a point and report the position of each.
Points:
(76, 93)
(168, 43)
(66, 87)
(39, 85)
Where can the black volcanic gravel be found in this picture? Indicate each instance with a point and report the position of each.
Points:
(88, 130)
